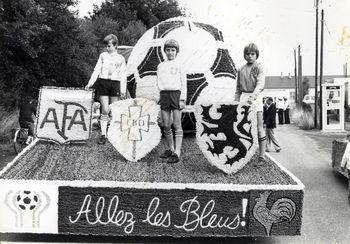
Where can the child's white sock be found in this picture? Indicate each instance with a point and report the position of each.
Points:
(104, 123)
(169, 138)
(178, 141)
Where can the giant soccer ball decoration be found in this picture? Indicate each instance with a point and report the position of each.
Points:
(211, 72)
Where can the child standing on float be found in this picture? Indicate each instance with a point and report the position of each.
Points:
(250, 84)
(172, 84)
(109, 80)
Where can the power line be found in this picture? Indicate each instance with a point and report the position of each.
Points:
(329, 33)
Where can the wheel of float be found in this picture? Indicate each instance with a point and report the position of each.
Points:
(20, 138)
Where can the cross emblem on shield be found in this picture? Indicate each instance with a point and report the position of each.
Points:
(134, 123)
(134, 130)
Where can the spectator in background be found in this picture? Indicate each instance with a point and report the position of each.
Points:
(280, 109)
(27, 115)
(269, 124)
(286, 111)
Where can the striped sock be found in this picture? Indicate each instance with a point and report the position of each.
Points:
(262, 138)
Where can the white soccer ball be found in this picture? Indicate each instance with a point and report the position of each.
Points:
(27, 200)
(211, 72)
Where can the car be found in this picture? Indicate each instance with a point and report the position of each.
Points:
(309, 99)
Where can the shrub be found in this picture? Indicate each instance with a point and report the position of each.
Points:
(8, 122)
(302, 118)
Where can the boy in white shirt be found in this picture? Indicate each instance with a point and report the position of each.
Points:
(172, 83)
(109, 80)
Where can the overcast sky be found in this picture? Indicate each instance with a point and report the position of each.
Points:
(277, 27)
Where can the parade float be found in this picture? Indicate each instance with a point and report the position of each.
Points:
(66, 183)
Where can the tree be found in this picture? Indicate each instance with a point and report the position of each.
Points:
(306, 86)
(42, 44)
(134, 17)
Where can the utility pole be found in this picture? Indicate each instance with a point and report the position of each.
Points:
(300, 76)
(321, 66)
(296, 77)
(316, 61)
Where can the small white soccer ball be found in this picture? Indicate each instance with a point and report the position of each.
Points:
(211, 72)
(27, 200)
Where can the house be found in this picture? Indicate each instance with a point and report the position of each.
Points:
(284, 86)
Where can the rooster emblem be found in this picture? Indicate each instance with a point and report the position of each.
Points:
(282, 210)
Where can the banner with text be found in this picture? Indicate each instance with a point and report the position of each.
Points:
(174, 212)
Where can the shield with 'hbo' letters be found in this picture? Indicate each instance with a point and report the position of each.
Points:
(227, 134)
(134, 129)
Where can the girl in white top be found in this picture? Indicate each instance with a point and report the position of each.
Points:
(172, 84)
(109, 80)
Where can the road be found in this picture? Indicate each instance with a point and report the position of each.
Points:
(326, 211)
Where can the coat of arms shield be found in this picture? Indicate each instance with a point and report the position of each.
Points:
(134, 129)
(227, 134)
(64, 114)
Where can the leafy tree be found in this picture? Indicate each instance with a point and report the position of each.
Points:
(134, 17)
(306, 86)
(41, 43)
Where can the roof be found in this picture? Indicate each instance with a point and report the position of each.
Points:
(288, 82)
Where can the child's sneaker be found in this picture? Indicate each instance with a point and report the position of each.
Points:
(29, 140)
(173, 159)
(262, 159)
(166, 154)
(102, 140)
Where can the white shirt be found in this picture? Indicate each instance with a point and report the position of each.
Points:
(286, 104)
(110, 66)
(280, 104)
(170, 77)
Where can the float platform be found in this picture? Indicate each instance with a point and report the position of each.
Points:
(91, 189)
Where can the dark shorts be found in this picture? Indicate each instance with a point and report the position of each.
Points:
(169, 100)
(106, 87)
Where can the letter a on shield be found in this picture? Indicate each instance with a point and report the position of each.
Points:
(134, 129)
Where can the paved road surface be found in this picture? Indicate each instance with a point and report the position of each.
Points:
(326, 212)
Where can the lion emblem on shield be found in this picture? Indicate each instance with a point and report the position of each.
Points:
(227, 134)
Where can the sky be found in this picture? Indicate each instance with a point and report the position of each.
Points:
(277, 27)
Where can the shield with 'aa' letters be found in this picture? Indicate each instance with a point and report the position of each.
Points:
(134, 129)
(227, 134)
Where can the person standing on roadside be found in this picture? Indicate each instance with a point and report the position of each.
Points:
(270, 125)
(280, 109)
(286, 111)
